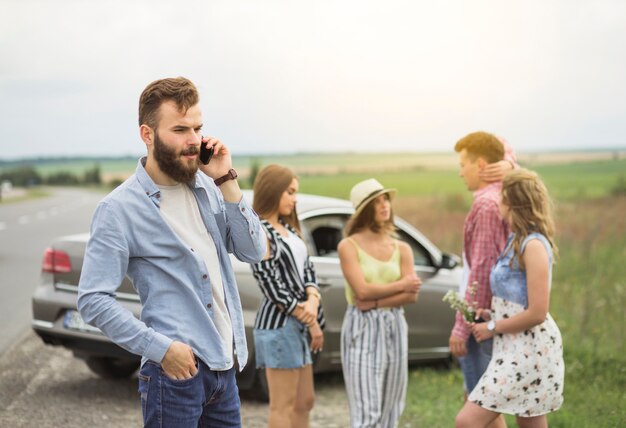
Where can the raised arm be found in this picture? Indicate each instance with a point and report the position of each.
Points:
(496, 171)
(243, 234)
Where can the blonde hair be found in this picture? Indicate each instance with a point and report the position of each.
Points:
(365, 220)
(530, 209)
(269, 186)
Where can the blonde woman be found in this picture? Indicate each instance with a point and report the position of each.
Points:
(289, 323)
(380, 279)
(526, 372)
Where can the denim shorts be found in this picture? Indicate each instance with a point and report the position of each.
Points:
(282, 348)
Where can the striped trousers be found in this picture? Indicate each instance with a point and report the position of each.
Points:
(374, 358)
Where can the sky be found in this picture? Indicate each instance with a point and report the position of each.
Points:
(284, 76)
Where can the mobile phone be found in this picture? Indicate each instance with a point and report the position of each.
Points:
(206, 153)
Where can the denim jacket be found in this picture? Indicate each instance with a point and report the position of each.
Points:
(508, 282)
(129, 237)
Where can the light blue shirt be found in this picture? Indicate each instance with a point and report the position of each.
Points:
(130, 237)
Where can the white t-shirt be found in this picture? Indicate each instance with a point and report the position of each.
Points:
(179, 209)
(298, 249)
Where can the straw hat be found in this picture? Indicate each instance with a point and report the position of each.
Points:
(364, 192)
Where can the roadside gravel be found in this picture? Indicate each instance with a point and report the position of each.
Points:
(46, 386)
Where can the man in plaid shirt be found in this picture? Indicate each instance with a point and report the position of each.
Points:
(484, 159)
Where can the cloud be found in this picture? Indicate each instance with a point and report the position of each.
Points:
(311, 76)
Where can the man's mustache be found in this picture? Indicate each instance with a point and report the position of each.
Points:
(193, 150)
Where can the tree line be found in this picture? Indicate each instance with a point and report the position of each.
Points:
(27, 175)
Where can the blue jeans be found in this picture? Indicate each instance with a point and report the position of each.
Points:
(209, 399)
(475, 362)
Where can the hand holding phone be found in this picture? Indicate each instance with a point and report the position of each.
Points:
(206, 153)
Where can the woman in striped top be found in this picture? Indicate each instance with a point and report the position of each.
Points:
(380, 279)
(289, 322)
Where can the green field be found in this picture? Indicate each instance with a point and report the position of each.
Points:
(413, 174)
(566, 182)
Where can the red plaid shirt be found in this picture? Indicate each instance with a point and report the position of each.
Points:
(484, 236)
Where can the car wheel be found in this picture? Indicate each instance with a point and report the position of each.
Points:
(112, 368)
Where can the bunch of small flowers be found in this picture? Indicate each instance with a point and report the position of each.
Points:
(468, 310)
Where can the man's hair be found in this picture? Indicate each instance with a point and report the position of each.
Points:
(178, 89)
(481, 145)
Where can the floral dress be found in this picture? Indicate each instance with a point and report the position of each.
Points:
(526, 372)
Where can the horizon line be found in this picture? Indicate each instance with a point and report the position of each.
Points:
(311, 153)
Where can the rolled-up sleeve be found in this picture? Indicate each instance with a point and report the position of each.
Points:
(244, 234)
(309, 275)
(104, 268)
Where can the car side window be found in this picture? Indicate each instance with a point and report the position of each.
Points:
(421, 256)
(323, 234)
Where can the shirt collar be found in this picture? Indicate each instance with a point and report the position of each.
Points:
(149, 186)
(490, 188)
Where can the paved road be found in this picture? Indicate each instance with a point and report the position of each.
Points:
(26, 228)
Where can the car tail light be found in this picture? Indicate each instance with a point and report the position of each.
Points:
(56, 261)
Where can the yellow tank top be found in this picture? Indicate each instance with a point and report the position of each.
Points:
(376, 271)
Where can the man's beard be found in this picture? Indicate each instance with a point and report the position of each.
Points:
(173, 164)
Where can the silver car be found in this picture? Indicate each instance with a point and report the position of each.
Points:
(57, 321)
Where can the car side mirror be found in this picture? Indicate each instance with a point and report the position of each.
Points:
(449, 261)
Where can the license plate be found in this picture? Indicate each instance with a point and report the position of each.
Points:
(74, 321)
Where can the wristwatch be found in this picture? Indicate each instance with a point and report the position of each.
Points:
(491, 326)
(230, 175)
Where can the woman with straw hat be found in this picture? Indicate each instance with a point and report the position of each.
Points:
(380, 279)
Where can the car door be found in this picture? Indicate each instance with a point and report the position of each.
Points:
(323, 230)
(430, 320)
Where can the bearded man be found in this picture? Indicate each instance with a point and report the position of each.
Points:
(169, 228)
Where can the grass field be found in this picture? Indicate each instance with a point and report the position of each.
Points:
(587, 301)
(413, 174)
(566, 182)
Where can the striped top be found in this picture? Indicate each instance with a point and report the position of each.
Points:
(282, 285)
